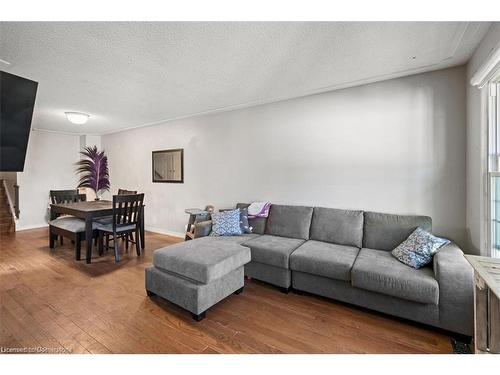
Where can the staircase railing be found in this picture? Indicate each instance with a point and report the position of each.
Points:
(13, 202)
(16, 201)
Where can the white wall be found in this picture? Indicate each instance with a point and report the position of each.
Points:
(395, 146)
(49, 165)
(477, 146)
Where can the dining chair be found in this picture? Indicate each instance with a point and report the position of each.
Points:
(66, 225)
(124, 191)
(125, 221)
(129, 237)
(64, 196)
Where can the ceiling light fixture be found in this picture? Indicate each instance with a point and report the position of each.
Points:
(78, 118)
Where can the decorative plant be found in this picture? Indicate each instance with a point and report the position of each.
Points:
(93, 168)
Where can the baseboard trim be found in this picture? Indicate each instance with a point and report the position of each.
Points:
(149, 229)
(163, 231)
(34, 226)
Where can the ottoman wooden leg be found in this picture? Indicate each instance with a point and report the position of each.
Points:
(239, 290)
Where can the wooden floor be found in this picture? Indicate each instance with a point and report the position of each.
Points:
(49, 300)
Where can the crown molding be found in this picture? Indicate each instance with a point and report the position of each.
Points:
(457, 40)
(63, 132)
(339, 86)
(489, 69)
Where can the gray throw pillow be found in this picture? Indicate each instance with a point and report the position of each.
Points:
(419, 248)
(245, 227)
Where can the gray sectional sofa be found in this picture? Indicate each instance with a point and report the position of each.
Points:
(346, 255)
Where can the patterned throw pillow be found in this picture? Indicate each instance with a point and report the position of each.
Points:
(419, 248)
(226, 223)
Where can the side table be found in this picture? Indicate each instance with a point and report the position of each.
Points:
(487, 303)
(195, 215)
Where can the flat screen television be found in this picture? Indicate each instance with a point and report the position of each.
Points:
(16, 109)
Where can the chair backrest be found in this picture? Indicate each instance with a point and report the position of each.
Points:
(127, 209)
(66, 196)
(125, 192)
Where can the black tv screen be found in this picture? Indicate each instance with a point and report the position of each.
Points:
(16, 108)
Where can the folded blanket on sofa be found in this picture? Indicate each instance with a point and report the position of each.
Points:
(258, 209)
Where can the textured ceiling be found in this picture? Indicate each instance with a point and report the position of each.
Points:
(133, 74)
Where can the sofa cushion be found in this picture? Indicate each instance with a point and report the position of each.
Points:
(273, 250)
(204, 259)
(238, 240)
(386, 231)
(343, 227)
(109, 227)
(378, 271)
(289, 221)
(324, 259)
(257, 224)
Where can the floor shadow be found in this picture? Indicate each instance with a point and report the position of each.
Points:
(100, 265)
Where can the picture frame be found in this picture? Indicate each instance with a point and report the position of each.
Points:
(168, 166)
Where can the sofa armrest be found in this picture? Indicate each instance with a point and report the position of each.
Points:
(202, 229)
(455, 277)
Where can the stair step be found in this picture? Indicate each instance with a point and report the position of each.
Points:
(5, 228)
(7, 223)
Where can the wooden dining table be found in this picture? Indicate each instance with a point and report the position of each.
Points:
(88, 211)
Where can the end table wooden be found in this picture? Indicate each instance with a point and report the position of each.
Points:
(486, 304)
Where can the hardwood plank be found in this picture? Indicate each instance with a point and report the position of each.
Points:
(7, 339)
(208, 350)
(48, 299)
(339, 321)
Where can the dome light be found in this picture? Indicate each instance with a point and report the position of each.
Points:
(78, 118)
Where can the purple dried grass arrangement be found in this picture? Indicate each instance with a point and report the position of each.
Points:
(94, 170)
